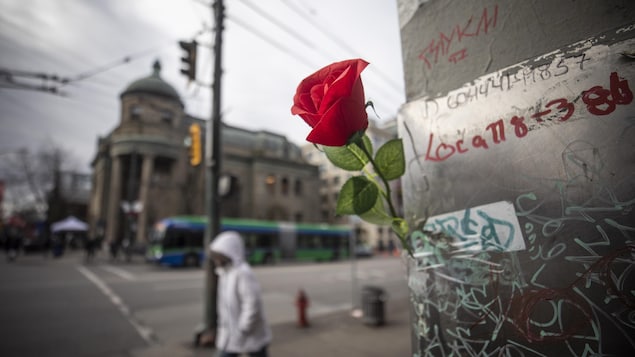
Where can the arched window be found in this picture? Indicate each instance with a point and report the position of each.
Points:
(166, 116)
(284, 186)
(298, 187)
(270, 181)
(135, 112)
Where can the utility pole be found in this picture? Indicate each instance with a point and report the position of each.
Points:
(212, 165)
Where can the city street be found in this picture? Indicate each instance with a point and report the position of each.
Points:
(63, 307)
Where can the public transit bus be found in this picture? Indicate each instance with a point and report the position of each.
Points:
(178, 240)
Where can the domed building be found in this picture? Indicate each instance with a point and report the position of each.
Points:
(142, 171)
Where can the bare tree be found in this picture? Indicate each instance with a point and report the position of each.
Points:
(22, 191)
(31, 178)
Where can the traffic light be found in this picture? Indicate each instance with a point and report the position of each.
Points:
(189, 70)
(196, 153)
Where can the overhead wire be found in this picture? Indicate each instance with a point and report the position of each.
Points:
(121, 61)
(303, 40)
(293, 33)
(129, 58)
(273, 20)
(397, 96)
(336, 39)
(254, 31)
(63, 81)
(271, 41)
(34, 34)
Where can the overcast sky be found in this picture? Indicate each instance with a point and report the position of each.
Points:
(269, 46)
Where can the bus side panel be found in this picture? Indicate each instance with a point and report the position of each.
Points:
(315, 254)
(172, 258)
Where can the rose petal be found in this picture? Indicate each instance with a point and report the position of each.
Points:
(331, 101)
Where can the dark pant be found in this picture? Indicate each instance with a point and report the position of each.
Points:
(261, 353)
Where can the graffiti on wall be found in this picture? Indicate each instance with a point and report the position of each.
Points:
(449, 45)
(536, 166)
(488, 227)
(596, 101)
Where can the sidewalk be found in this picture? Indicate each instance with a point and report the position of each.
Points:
(333, 335)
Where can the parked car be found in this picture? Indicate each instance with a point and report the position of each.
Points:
(363, 251)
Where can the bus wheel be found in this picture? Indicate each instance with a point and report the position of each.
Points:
(191, 260)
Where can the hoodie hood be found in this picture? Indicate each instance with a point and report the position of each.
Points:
(230, 244)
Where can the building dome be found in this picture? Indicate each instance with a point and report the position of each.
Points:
(153, 84)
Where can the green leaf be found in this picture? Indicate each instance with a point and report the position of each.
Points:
(349, 157)
(390, 159)
(357, 196)
(400, 226)
(377, 214)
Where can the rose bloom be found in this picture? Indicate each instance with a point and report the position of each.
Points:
(331, 101)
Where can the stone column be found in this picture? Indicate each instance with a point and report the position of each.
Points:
(114, 201)
(144, 189)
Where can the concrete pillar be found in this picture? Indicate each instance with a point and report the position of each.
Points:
(144, 189)
(476, 71)
(114, 201)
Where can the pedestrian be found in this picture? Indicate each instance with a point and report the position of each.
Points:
(13, 240)
(14, 236)
(391, 247)
(381, 246)
(242, 327)
(57, 245)
(89, 247)
(46, 245)
(114, 250)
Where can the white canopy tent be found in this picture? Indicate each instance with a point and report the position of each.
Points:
(69, 224)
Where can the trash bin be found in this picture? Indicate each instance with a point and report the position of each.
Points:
(373, 299)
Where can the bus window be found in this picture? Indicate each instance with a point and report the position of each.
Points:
(195, 238)
(250, 241)
(305, 241)
(174, 238)
(328, 242)
(265, 241)
(156, 235)
(311, 241)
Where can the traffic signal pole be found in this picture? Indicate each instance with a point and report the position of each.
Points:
(212, 165)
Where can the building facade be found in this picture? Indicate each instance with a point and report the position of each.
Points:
(142, 171)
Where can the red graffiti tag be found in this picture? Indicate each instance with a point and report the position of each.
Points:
(599, 101)
(563, 105)
(496, 134)
(444, 45)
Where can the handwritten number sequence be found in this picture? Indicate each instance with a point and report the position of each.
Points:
(598, 100)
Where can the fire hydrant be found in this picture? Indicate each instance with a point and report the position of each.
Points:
(302, 303)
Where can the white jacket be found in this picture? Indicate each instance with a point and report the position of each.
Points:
(241, 321)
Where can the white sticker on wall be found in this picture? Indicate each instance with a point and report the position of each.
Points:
(491, 227)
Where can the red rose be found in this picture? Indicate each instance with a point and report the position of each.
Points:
(331, 101)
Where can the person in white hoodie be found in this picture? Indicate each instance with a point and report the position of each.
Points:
(242, 327)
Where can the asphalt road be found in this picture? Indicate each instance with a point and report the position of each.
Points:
(48, 308)
(63, 307)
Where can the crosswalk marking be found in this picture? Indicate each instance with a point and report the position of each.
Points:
(119, 272)
(145, 332)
